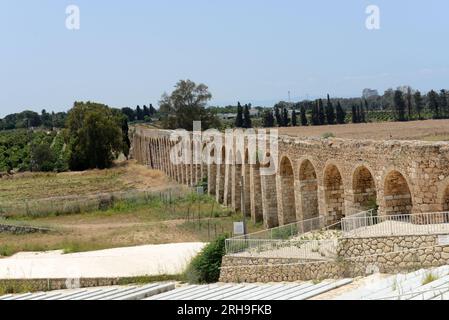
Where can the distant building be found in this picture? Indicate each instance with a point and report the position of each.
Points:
(367, 93)
(227, 116)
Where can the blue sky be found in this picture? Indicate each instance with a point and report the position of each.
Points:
(130, 52)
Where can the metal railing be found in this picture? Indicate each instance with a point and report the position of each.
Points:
(277, 248)
(372, 224)
(286, 231)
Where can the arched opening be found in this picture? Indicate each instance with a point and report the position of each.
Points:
(398, 199)
(287, 184)
(228, 181)
(221, 176)
(237, 183)
(246, 185)
(308, 186)
(364, 189)
(333, 194)
(212, 172)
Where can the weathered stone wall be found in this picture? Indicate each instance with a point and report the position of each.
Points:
(22, 229)
(331, 178)
(355, 257)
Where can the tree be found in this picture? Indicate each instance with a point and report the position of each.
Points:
(408, 97)
(285, 118)
(139, 114)
(152, 110)
(444, 103)
(355, 117)
(42, 158)
(362, 117)
(434, 105)
(129, 113)
(239, 118)
(304, 121)
(315, 114)
(186, 104)
(399, 105)
(278, 116)
(341, 114)
(46, 119)
(418, 103)
(146, 111)
(330, 113)
(321, 115)
(268, 119)
(294, 119)
(247, 117)
(126, 143)
(94, 136)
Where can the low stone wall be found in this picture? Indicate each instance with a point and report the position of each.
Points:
(33, 285)
(355, 257)
(21, 229)
(246, 269)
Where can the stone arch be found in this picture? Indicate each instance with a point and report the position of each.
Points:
(397, 195)
(287, 212)
(333, 194)
(308, 190)
(363, 188)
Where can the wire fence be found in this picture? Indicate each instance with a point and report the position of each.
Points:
(88, 203)
(371, 224)
(286, 231)
(277, 248)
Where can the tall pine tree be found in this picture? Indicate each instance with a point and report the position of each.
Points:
(247, 118)
(268, 119)
(285, 118)
(294, 119)
(419, 105)
(304, 121)
(278, 116)
(399, 105)
(341, 114)
(330, 113)
(355, 118)
(239, 118)
(321, 116)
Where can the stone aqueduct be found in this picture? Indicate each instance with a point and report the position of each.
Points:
(328, 178)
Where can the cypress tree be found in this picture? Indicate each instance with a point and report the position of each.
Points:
(268, 119)
(330, 113)
(399, 106)
(315, 114)
(341, 114)
(354, 114)
(418, 103)
(304, 121)
(362, 113)
(278, 116)
(321, 116)
(285, 118)
(294, 119)
(239, 118)
(247, 118)
(139, 113)
(434, 106)
(444, 103)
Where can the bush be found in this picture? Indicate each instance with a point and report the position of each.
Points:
(205, 267)
(328, 135)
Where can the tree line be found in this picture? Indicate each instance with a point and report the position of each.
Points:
(398, 105)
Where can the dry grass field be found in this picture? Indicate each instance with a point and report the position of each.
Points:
(188, 218)
(123, 176)
(427, 130)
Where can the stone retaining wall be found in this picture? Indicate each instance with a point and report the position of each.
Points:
(355, 257)
(21, 229)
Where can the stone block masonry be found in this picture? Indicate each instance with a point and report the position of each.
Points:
(355, 257)
(331, 178)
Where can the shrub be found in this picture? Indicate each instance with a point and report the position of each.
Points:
(327, 135)
(205, 267)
